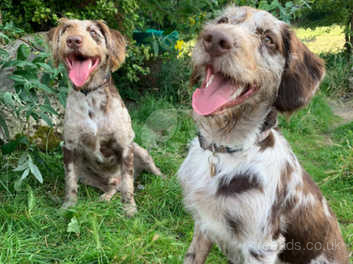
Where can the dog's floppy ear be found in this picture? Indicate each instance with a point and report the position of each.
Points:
(116, 44)
(302, 74)
(53, 39)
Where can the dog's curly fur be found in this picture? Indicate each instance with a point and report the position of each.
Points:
(98, 137)
(260, 206)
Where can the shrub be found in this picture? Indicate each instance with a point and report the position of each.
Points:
(41, 15)
(35, 81)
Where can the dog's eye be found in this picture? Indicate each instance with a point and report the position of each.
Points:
(93, 33)
(64, 29)
(223, 20)
(268, 41)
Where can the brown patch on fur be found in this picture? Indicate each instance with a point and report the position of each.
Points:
(305, 227)
(334, 240)
(309, 230)
(129, 162)
(103, 107)
(89, 140)
(270, 120)
(68, 156)
(113, 90)
(256, 254)
(286, 174)
(109, 148)
(199, 248)
(268, 142)
(302, 74)
(116, 44)
(309, 186)
(91, 114)
(240, 183)
(53, 39)
(279, 206)
(234, 224)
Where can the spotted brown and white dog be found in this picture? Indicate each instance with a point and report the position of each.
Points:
(241, 181)
(98, 137)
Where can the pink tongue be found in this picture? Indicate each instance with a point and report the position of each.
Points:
(209, 98)
(79, 71)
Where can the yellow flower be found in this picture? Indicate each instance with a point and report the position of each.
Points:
(179, 45)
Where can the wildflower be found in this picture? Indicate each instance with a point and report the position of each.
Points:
(179, 45)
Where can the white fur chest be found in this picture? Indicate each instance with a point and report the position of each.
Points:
(239, 221)
(86, 118)
(77, 116)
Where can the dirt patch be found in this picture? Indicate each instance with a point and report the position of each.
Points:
(342, 109)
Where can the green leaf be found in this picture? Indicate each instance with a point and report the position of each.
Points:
(23, 158)
(47, 108)
(35, 171)
(3, 125)
(23, 52)
(73, 226)
(46, 67)
(3, 36)
(30, 199)
(41, 86)
(18, 78)
(21, 167)
(21, 63)
(24, 174)
(9, 147)
(46, 118)
(62, 99)
(18, 183)
(8, 99)
(4, 53)
(155, 46)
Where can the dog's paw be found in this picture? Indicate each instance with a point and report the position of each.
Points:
(67, 204)
(130, 209)
(158, 172)
(189, 258)
(105, 197)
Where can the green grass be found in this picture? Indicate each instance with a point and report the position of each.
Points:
(34, 230)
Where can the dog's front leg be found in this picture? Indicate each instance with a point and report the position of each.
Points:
(199, 248)
(127, 181)
(112, 187)
(71, 179)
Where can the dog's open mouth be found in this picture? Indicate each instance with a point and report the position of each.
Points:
(219, 92)
(80, 68)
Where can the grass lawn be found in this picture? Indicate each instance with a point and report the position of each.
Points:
(34, 230)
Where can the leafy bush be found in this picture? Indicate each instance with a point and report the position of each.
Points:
(41, 15)
(35, 81)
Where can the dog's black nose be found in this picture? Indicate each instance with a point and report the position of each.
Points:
(216, 43)
(74, 42)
